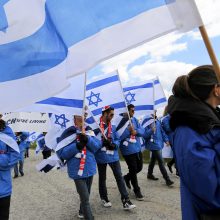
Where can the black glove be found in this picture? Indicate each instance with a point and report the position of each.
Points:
(106, 143)
(111, 147)
(80, 146)
(83, 138)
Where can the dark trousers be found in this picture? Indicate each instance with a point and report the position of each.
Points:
(46, 154)
(157, 156)
(5, 207)
(135, 165)
(19, 167)
(83, 187)
(116, 169)
(26, 154)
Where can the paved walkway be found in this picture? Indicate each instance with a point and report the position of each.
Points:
(52, 196)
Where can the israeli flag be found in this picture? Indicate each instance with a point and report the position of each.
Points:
(32, 55)
(43, 40)
(58, 124)
(146, 121)
(70, 101)
(34, 136)
(105, 91)
(146, 97)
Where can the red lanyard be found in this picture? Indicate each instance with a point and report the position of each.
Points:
(102, 123)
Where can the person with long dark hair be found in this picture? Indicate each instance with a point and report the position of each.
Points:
(195, 121)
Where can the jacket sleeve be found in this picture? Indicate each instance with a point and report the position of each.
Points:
(199, 167)
(164, 135)
(116, 139)
(68, 152)
(93, 144)
(139, 129)
(9, 159)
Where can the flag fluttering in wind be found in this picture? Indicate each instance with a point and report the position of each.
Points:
(42, 42)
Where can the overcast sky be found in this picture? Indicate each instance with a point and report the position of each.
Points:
(168, 56)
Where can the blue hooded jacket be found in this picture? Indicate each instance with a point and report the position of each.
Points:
(198, 162)
(101, 156)
(69, 152)
(155, 141)
(127, 147)
(8, 158)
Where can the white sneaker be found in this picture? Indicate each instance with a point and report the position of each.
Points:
(106, 203)
(127, 205)
(80, 215)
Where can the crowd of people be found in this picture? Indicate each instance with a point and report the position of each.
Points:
(190, 127)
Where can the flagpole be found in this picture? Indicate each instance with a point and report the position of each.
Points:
(129, 118)
(84, 103)
(210, 50)
(154, 104)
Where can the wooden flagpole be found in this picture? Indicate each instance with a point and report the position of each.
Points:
(210, 50)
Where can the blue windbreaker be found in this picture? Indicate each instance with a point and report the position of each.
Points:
(8, 158)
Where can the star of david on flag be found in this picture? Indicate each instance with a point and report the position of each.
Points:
(130, 97)
(94, 99)
(61, 120)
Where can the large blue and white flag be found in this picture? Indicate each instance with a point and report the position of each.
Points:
(70, 101)
(146, 97)
(105, 91)
(32, 55)
(43, 40)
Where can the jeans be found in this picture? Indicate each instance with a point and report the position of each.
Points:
(116, 169)
(135, 165)
(83, 187)
(4, 207)
(21, 165)
(157, 156)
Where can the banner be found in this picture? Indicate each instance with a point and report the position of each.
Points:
(30, 122)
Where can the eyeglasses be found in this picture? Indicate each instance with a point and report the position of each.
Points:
(132, 110)
(112, 115)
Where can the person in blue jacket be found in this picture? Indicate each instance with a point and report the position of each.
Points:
(23, 145)
(78, 149)
(108, 155)
(195, 121)
(131, 150)
(9, 155)
(155, 137)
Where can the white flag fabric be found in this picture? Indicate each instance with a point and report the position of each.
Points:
(58, 124)
(42, 41)
(105, 91)
(146, 97)
(34, 136)
(70, 101)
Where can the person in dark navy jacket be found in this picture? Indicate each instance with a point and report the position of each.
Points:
(195, 120)
(108, 155)
(9, 156)
(78, 150)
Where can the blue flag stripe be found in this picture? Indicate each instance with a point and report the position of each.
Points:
(144, 107)
(159, 101)
(95, 15)
(34, 54)
(63, 102)
(116, 106)
(102, 82)
(147, 85)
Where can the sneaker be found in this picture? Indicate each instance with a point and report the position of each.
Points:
(139, 196)
(106, 203)
(127, 204)
(80, 215)
(152, 177)
(15, 176)
(127, 182)
(169, 182)
(170, 168)
(22, 174)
